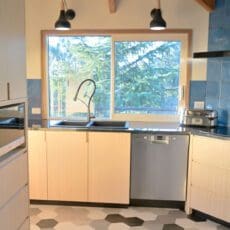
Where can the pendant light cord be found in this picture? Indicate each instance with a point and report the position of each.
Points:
(62, 5)
(65, 4)
(159, 4)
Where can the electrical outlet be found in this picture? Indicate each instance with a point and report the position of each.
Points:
(198, 104)
(36, 110)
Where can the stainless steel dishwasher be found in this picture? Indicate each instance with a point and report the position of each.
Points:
(159, 169)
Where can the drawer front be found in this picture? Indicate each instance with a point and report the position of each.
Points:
(208, 151)
(210, 203)
(13, 176)
(214, 179)
(15, 212)
(211, 151)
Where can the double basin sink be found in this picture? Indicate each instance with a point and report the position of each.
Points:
(91, 124)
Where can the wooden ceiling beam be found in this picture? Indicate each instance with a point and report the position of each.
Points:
(209, 5)
(112, 6)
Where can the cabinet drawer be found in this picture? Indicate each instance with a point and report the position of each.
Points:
(210, 203)
(211, 151)
(13, 177)
(14, 213)
(212, 179)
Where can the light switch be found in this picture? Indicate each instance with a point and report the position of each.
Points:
(198, 104)
(36, 110)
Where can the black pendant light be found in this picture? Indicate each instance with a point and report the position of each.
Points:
(65, 15)
(158, 23)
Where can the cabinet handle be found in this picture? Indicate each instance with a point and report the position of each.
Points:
(182, 93)
(8, 91)
(87, 137)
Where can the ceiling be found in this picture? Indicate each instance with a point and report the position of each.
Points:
(209, 5)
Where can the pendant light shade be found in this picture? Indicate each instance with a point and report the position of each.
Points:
(158, 23)
(62, 23)
(65, 15)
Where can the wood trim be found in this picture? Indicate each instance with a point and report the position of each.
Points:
(112, 6)
(44, 84)
(189, 69)
(112, 31)
(209, 5)
(45, 33)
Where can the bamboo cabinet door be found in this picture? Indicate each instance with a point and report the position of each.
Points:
(67, 160)
(210, 176)
(37, 164)
(109, 167)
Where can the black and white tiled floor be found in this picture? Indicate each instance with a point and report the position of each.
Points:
(93, 218)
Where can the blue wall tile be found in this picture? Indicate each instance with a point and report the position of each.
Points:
(226, 71)
(197, 92)
(213, 89)
(221, 3)
(34, 97)
(212, 103)
(218, 69)
(225, 88)
(213, 70)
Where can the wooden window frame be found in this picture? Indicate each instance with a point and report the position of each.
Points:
(44, 33)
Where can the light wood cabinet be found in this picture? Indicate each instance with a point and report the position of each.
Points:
(14, 200)
(209, 176)
(109, 167)
(12, 50)
(81, 166)
(13, 176)
(67, 160)
(16, 211)
(37, 164)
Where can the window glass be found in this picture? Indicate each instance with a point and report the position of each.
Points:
(72, 59)
(147, 77)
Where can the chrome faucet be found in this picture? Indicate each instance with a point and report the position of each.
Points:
(90, 98)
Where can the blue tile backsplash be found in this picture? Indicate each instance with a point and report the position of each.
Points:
(218, 69)
(217, 92)
(34, 97)
(197, 92)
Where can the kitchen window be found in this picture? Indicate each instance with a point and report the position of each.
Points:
(139, 76)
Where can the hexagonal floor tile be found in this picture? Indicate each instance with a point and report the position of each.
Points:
(34, 211)
(133, 221)
(96, 214)
(47, 215)
(146, 216)
(165, 219)
(34, 227)
(74, 215)
(177, 213)
(99, 224)
(172, 227)
(118, 226)
(47, 223)
(150, 225)
(114, 218)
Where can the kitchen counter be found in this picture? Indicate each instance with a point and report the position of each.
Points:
(143, 127)
(133, 127)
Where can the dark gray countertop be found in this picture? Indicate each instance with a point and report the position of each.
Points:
(144, 127)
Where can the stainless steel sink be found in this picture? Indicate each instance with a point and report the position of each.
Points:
(108, 124)
(92, 124)
(69, 124)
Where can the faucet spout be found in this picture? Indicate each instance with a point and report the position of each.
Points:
(90, 98)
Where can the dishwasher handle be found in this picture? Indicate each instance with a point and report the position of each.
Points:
(160, 139)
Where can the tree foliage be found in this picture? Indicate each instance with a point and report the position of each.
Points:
(146, 74)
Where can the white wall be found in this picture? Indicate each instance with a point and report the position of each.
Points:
(131, 14)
